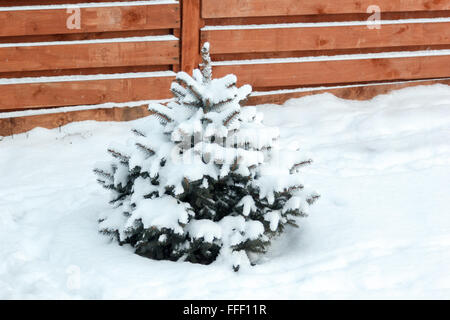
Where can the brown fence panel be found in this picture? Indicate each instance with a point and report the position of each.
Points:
(128, 51)
(266, 8)
(120, 52)
(15, 125)
(320, 72)
(115, 17)
(81, 92)
(242, 39)
(287, 44)
(83, 54)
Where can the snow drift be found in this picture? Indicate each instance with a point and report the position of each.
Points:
(381, 229)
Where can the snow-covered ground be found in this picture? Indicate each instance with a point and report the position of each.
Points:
(380, 230)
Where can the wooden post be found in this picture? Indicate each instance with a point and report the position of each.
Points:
(177, 33)
(191, 23)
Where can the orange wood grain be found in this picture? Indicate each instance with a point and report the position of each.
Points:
(315, 53)
(10, 126)
(338, 71)
(190, 35)
(85, 36)
(351, 92)
(83, 71)
(326, 38)
(93, 19)
(90, 55)
(69, 93)
(315, 18)
(260, 8)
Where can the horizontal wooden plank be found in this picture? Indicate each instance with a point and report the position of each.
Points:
(88, 55)
(68, 93)
(320, 18)
(264, 8)
(351, 92)
(261, 75)
(323, 53)
(340, 36)
(16, 125)
(14, 3)
(84, 36)
(83, 72)
(92, 19)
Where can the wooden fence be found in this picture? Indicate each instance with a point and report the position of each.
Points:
(129, 51)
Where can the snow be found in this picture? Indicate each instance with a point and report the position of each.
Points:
(294, 203)
(149, 211)
(380, 230)
(248, 205)
(120, 178)
(222, 155)
(273, 217)
(238, 230)
(204, 228)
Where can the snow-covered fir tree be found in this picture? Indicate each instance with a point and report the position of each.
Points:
(209, 182)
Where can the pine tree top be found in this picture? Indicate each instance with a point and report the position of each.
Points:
(201, 91)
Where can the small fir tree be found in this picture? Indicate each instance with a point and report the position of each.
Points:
(209, 183)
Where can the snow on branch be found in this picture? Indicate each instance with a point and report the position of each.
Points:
(206, 64)
(210, 183)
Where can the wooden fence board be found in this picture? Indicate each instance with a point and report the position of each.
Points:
(325, 38)
(93, 19)
(14, 3)
(190, 35)
(89, 55)
(10, 126)
(69, 93)
(337, 71)
(352, 92)
(264, 8)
